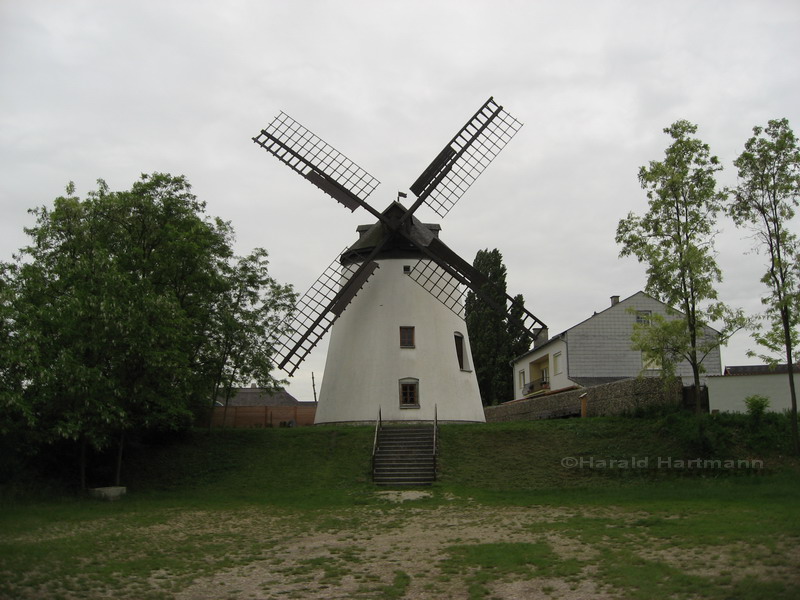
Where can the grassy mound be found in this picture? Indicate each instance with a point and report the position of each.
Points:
(330, 466)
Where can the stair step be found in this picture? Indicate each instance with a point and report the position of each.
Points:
(404, 465)
(392, 460)
(413, 481)
(403, 477)
(404, 460)
(404, 456)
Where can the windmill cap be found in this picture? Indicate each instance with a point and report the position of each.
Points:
(397, 246)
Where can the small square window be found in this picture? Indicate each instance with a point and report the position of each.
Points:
(406, 269)
(406, 337)
(409, 393)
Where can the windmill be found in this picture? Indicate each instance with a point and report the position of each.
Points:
(394, 300)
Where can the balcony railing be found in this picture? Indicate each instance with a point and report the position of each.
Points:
(537, 385)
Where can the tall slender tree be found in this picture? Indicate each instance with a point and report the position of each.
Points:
(519, 342)
(494, 341)
(675, 238)
(764, 201)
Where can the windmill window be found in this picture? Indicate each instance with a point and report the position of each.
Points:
(409, 393)
(462, 355)
(406, 337)
(406, 269)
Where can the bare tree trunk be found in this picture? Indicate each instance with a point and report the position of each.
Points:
(790, 368)
(698, 405)
(117, 477)
(82, 461)
(793, 393)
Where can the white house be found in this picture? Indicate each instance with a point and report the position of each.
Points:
(597, 350)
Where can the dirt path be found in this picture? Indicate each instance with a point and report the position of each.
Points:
(403, 546)
(361, 557)
(407, 552)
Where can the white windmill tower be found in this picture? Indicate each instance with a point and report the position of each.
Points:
(402, 344)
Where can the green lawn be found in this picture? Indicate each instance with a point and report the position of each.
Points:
(288, 513)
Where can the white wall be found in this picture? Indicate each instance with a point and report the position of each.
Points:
(727, 393)
(365, 362)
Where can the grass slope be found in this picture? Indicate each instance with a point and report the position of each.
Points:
(303, 467)
(280, 513)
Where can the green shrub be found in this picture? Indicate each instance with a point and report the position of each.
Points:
(701, 435)
(756, 406)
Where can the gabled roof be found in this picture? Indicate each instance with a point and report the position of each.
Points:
(260, 397)
(616, 306)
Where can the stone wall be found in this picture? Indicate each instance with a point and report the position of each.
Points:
(619, 397)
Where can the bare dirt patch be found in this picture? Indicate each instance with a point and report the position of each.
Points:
(406, 545)
(364, 555)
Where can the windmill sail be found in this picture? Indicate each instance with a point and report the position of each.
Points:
(440, 284)
(316, 160)
(462, 161)
(319, 307)
(448, 278)
(441, 272)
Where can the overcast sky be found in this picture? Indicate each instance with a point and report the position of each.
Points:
(97, 89)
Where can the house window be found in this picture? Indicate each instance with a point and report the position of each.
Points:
(406, 337)
(409, 393)
(522, 379)
(557, 363)
(643, 317)
(545, 375)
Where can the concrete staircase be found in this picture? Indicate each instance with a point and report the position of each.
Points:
(404, 455)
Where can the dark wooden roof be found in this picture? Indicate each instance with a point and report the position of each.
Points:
(397, 246)
(760, 370)
(260, 397)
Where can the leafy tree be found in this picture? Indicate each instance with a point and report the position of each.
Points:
(494, 341)
(108, 314)
(675, 238)
(764, 201)
(246, 319)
